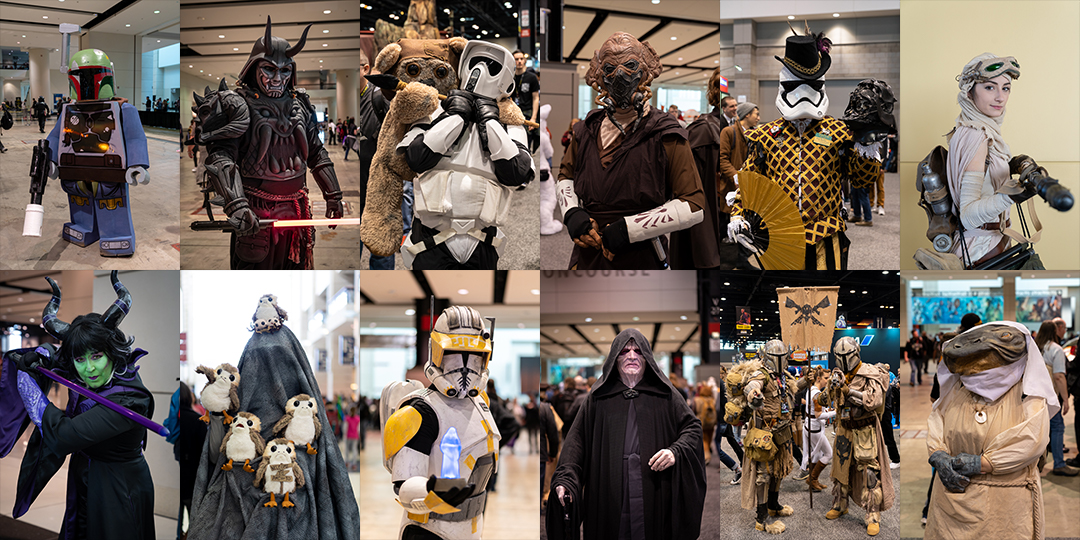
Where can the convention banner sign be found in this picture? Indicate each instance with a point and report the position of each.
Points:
(808, 316)
(950, 309)
(1036, 308)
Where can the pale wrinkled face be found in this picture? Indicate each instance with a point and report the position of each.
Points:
(273, 78)
(631, 363)
(991, 96)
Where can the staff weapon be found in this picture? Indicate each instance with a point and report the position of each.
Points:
(97, 398)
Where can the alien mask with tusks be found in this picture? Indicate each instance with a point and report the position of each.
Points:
(621, 71)
(271, 68)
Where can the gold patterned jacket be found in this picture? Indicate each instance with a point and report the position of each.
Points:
(809, 167)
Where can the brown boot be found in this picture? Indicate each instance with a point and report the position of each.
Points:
(812, 480)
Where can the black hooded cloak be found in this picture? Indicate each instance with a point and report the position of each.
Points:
(591, 464)
(226, 504)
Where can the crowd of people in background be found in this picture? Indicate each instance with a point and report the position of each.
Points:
(157, 104)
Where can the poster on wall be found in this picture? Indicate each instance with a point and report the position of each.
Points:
(347, 346)
(950, 309)
(1036, 308)
(743, 323)
(320, 359)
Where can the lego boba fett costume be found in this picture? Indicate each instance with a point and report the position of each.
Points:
(96, 148)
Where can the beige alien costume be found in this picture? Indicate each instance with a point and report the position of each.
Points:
(858, 391)
(440, 443)
(995, 406)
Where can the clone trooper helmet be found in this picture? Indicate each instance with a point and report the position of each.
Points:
(775, 355)
(801, 98)
(90, 76)
(846, 350)
(487, 69)
(460, 352)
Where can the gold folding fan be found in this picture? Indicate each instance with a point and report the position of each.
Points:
(775, 222)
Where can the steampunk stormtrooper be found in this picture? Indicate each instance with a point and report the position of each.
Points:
(469, 164)
(858, 391)
(440, 443)
(766, 390)
(261, 139)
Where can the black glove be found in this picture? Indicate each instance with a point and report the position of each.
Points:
(451, 491)
(1020, 162)
(967, 464)
(43, 356)
(952, 480)
(1029, 192)
(486, 109)
(615, 236)
(577, 222)
(460, 102)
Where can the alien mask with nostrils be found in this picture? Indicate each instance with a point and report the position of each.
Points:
(621, 71)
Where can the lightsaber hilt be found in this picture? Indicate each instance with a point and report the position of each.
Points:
(116, 407)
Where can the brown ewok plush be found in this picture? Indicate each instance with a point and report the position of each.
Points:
(428, 69)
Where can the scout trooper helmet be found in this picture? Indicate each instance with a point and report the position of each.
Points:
(460, 352)
(487, 69)
(846, 350)
(775, 355)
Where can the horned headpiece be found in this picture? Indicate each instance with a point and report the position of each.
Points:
(111, 318)
(274, 50)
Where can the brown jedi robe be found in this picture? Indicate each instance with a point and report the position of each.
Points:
(642, 170)
(733, 151)
(1007, 503)
(699, 247)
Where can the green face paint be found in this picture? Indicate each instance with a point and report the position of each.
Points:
(95, 368)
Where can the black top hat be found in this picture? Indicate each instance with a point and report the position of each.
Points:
(807, 56)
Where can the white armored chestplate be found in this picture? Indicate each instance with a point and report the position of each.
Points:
(471, 418)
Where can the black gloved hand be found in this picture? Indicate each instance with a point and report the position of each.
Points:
(43, 356)
(453, 494)
(486, 109)
(460, 102)
(952, 480)
(967, 464)
(1029, 192)
(1020, 162)
(577, 222)
(615, 236)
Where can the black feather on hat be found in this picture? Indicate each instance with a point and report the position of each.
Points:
(807, 56)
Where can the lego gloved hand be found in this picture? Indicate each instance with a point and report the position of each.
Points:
(137, 175)
(967, 464)
(452, 491)
(33, 398)
(54, 172)
(952, 480)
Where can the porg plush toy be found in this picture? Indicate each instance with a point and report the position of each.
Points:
(301, 421)
(219, 394)
(268, 316)
(279, 473)
(243, 441)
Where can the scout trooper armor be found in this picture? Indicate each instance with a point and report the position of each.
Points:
(468, 162)
(440, 443)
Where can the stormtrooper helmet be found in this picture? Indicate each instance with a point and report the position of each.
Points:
(800, 98)
(460, 352)
(846, 351)
(487, 69)
(775, 355)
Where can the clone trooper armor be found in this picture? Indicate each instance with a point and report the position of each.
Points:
(469, 165)
(858, 391)
(440, 443)
(98, 146)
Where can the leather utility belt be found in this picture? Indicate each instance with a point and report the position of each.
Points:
(472, 507)
(858, 423)
(996, 226)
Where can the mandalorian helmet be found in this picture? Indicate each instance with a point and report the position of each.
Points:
(775, 355)
(460, 352)
(91, 76)
(846, 351)
(487, 69)
(270, 67)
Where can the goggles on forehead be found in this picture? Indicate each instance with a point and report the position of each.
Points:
(990, 68)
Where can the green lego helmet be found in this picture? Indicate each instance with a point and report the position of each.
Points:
(91, 75)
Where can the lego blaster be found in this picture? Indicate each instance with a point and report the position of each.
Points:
(39, 176)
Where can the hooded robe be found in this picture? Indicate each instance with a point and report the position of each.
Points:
(110, 493)
(226, 504)
(591, 465)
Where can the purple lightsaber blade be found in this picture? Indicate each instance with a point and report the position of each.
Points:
(128, 413)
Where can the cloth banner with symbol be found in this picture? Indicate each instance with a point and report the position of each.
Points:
(808, 316)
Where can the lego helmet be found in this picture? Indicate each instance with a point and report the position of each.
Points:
(846, 351)
(487, 69)
(91, 76)
(775, 355)
(460, 352)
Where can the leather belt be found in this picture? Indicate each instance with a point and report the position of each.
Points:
(858, 423)
(995, 226)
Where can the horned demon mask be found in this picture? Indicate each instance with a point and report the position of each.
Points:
(621, 71)
(271, 68)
